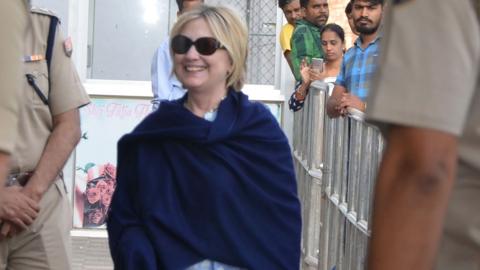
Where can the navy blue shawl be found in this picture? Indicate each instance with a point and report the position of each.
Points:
(189, 189)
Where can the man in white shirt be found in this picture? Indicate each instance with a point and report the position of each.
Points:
(165, 85)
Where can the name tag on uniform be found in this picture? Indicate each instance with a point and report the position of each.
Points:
(33, 58)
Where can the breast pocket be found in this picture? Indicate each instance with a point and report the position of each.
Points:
(37, 86)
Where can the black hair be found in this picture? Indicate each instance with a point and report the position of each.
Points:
(334, 28)
(304, 3)
(283, 3)
(372, 2)
(180, 4)
(348, 8)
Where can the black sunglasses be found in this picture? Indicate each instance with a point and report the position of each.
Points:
(205, 45)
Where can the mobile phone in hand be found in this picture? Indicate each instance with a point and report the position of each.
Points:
(317, 64)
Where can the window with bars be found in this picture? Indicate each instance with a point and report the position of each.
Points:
(133, 32)
(260, 16)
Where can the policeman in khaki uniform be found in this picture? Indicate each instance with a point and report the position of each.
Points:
(14, 206)
(427, 198)
(49, 127)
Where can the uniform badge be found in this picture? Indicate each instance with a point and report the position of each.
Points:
(33, 58)
(68, 46)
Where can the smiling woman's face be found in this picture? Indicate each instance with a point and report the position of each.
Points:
(199, 72)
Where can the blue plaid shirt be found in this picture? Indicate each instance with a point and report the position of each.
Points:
(358, 67)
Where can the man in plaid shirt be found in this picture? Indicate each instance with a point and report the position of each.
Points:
(360, 61)
(306, 41)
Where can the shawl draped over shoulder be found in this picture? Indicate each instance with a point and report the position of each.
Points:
(189, 190)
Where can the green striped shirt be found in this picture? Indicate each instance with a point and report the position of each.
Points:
(305, 43)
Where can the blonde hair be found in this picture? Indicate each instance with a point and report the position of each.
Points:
(229, 30)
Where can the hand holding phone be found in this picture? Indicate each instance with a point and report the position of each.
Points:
(317, 65)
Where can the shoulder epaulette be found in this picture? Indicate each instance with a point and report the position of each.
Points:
(44, 11)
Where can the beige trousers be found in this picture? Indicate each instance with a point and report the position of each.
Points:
(46, 243)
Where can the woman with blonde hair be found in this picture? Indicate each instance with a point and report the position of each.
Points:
(206, 181)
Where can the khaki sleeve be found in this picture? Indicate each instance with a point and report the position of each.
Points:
(429, 66)
(13, 19)
(66, 89)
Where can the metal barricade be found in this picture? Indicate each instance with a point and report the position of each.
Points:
(336, 162)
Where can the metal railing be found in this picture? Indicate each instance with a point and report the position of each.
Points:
(336, 162)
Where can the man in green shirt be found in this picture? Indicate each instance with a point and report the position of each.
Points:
(306, 37)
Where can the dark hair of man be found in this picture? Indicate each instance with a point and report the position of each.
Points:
(372, 2)
(283, 3)
(337, 29)
(180, 4)
(348, 8)
(304, 3)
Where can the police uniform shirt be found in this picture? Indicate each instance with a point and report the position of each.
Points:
(429, 78)
(13, 18)
(66, 91)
